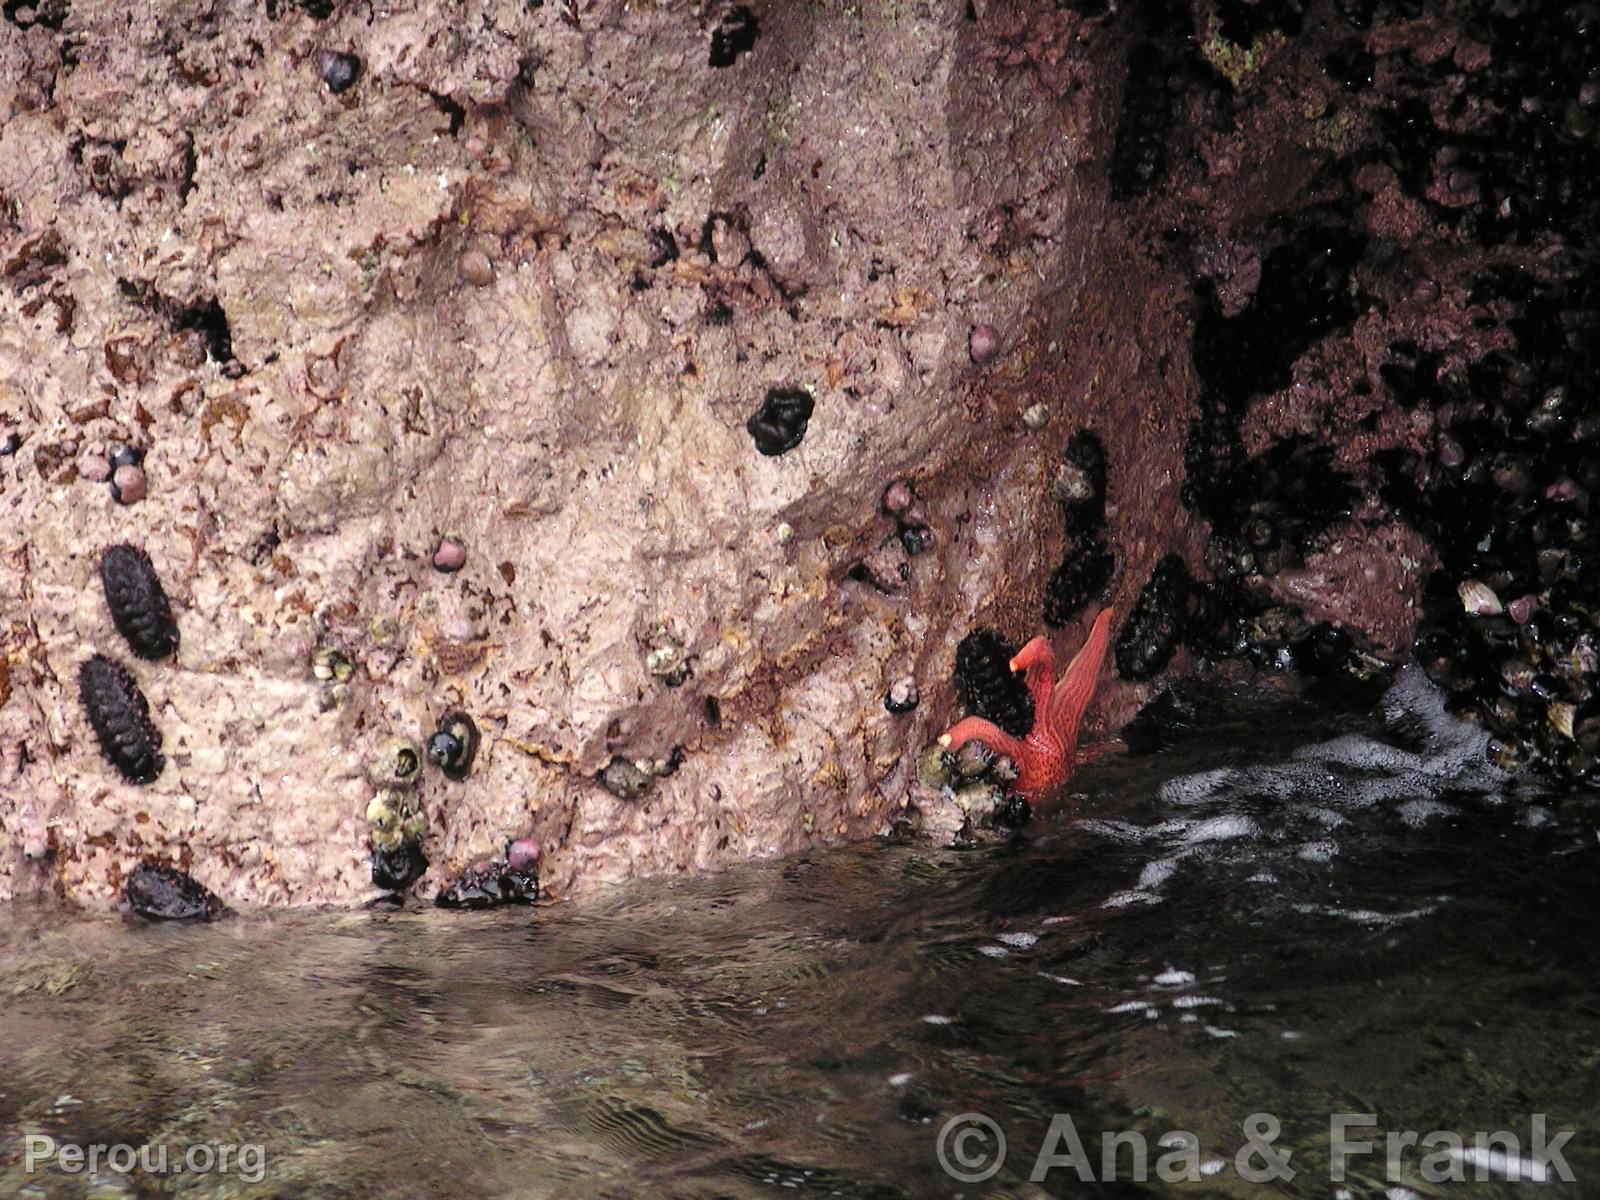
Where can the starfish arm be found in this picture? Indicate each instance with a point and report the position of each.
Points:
(977, 729)
(1037, 662)
(1076, 689)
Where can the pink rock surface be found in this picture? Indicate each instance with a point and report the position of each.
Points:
(575, 413)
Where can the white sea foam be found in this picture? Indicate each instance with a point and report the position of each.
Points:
(1220, 829)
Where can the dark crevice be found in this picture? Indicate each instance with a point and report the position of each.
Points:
(451, 109)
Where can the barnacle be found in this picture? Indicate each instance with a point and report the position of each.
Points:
(138, 603)
(625, 780)
(120, 717)
(454, 745)
(397, 825)
(1080, 484)
(980, 800)
(387, 813)
(933, 769)
(330, 665)
(396, 764)
(667, 661)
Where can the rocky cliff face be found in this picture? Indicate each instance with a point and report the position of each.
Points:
(311, 300)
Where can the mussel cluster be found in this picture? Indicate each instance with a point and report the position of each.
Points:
(1280, 503)
(1226, 620)
(1500, 151)
(1265, 511)
(986, 684)
(1505, 492)
(1158, 63)
(1087, 563)
(988, 688)
(1512, 622)
(508, 878)
(1243, 23)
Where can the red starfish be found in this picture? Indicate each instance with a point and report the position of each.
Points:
(1045, 757)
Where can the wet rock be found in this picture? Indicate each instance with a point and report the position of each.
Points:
(161, 893)
(885, 569)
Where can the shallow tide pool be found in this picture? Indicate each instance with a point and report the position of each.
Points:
(1265, 914)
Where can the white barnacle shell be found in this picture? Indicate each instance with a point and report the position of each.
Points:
(1479, 599)
(1561, 715)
